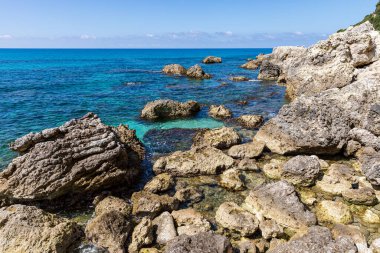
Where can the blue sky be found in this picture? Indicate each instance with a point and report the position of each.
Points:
(174, 23)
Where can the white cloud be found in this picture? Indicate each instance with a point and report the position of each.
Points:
(87, 37)
(5, 37)
(150, 35)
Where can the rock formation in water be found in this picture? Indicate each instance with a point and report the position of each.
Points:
(212, 60)
(169, 109)
(80, 157)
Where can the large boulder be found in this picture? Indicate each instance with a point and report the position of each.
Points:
(149, 204)
(317, 240)
(370, 165)
(169, 109)
(247, 150)
(331, 63)
(278, 201)
(321, 124)
(80, 157)
(165, 228)
(199, 243)
(197, 72)
(190, 222)
(29, 229)
(142, 235)
(174, 69)
(197, 161)
(220, 138)
(212, 59)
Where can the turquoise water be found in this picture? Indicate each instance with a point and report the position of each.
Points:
(44, 88)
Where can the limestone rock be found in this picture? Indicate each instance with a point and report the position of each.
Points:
(160, 183)
(231, 216)
(113, 204)
(248, 150)
(197, 161)
(174, 69)
(110, 231)
(232, 180)
(169, 109)
(361, 196)
(212, 59)
(165, 228)
(190, 222)
(353, 233)
(339, 178)
(219, 112)
(317, 240)
(253, 64)
(142, 235)
(269, 71)
(189, 194)
(199, 243)
(250, 121)
(278, 201)
(81, 157)
(239, 78)
(301, 170)
(150, 204)
(274, 168)
(270, 229)
(333, 212)
(247, 164)
(321, 124)
(328, 64)
(371, 167)
(220, 138)
(246, 246)
(375, 246)
(29, 229)
(197, 72)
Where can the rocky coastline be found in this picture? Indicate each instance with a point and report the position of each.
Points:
(308, 181)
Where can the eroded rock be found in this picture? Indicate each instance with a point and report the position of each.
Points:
(169, 109)
(301, 170)
(220, 138)
(160, 183)
(197, 72)
(219, 112)
(150, 204)
(174, 69)
(247, 150)
(29, 229)
(250, 121)
(212, 60)
(232, 180)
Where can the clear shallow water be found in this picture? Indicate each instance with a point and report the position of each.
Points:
(44, 88)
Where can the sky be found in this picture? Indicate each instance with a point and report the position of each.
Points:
(174, 23)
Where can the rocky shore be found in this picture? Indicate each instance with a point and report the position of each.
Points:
(308, 181)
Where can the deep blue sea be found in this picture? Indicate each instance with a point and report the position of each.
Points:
(43, 88)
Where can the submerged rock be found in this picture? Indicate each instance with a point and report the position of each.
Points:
(239, 78)
(232, 180)
(165, 141)
(199, 243)
(317, 240)
(279, 202)
(189, 194)
(301, 170)
(212, 59)
(197, 161)
(250, 121)
(174, 69)
(82, 156)
(29, 229)
(220, 138)
(197, 72)
(169, 109)
(219, 112)
(234, 218)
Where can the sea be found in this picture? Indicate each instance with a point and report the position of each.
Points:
(43, 88)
